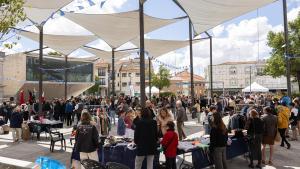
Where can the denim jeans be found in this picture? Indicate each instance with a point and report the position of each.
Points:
(112, 114)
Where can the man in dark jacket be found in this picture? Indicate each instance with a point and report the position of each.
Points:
(146, 139)
(16, 121)
(180, 119)
(68, 112)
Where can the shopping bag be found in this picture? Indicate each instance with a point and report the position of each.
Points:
(277, 137)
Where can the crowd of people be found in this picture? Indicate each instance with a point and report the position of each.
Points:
(262, 116)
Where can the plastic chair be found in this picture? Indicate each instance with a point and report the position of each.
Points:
(55, 137)
(113, 165)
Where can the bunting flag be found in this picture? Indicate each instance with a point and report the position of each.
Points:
(102, 3)
(91, 3)
(80, 7)
(61, 13)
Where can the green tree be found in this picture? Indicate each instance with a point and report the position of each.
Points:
(54, 53)
(11, 13)
(162, 78)
(95, 88)
(276, 64)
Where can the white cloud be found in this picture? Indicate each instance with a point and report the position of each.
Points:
(293, 14)
(240, 43)
(218, 30)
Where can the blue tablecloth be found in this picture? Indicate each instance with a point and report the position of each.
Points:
(120, 154)
(201, 159)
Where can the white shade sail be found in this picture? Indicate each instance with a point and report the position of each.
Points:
(64, 44)
(118, 28)
(255, 87)
(206, 14)
(39, 11)
(107, 55)
(156, 48)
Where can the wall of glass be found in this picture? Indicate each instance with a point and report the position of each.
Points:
(53, 70)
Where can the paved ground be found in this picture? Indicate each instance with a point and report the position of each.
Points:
(23, 155)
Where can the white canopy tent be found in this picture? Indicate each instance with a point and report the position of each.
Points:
(255, 87)
(107, 55)
(64, 44)
(157, 47)
(118, 28)
(153, 89)
(206, 14)
(39, 11)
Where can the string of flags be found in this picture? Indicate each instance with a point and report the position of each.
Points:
(24, 81)
(169, 65)
(63, 69)
(79, 8)
(162, 63)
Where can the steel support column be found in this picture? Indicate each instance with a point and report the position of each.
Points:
(40, 68)
(191, 60)
(211, 88)
(286, 52)
(150, 76)
(142, 54)
(66, 77)
(113, 74)
(250, 79)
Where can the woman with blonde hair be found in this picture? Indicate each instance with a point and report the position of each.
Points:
(164, 116)
(254, 127)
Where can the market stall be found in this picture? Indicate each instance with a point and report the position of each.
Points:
(123, 151)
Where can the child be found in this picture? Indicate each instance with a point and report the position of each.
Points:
(169, 144)
(121, 124)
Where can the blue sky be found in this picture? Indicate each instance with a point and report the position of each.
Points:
(234, 40)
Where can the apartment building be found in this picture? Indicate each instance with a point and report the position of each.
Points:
(237, 75)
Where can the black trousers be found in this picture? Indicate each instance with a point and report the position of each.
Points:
(69, 119)
(283, 137)
(171, 163)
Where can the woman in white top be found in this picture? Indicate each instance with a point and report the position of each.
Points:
(163, 118)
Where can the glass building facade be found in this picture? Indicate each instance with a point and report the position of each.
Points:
(53, 70)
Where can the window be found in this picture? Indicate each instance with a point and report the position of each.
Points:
(247, 70)
(260, 71)
(124, 74)
(247, 82)
(118, 84)
(118, 74)
(232, 70)
(137, 83)
(124, 84)
(101, 72)
(129, 74)
(102, 81)
(233, 82)
(137, 74)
